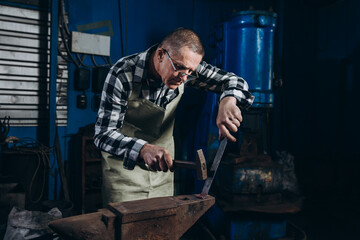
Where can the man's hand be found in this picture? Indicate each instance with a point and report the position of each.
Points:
(158, 158)
(228, 118)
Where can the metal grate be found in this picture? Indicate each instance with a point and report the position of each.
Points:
(24, 68)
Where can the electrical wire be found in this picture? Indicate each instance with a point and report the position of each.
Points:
(62, 55)
(107, 60)
(64, 30)
(30, 146)
(81, 59)
(67, 48)
(97, 65)
(93, 60)
(64, 23)
(65, 36)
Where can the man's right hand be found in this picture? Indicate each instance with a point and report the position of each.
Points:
(158, 158)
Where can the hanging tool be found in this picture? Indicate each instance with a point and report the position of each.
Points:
(213, 169)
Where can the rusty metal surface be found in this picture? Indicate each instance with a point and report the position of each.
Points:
(140, 210)
(250, 174)
(160, 218)
(92, 226)
(155, 218)
(253, 183)
(190, 209)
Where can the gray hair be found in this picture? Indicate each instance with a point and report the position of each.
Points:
(183, 37)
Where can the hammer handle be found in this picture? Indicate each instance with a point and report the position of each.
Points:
(184, 164)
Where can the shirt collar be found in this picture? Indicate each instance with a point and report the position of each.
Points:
(140, 74)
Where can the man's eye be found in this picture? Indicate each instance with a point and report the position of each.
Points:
(180, 67)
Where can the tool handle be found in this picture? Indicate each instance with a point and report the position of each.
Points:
(184, 164)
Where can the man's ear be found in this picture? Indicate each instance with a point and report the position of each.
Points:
(160, 54)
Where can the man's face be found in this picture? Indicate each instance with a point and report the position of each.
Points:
(175, 68)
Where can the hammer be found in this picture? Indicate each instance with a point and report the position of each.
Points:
(199, 165)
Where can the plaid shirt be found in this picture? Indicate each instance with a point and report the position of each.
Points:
(117, 89)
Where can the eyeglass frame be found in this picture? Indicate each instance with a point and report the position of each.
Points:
(182, 74)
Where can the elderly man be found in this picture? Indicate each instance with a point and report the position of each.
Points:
(134, 127)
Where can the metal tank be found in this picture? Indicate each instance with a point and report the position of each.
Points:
(245, 47)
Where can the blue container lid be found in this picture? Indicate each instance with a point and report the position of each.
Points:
(250, 18)
(256, 12)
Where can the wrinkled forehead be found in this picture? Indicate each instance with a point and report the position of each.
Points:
(186, 58)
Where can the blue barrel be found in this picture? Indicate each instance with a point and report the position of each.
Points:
(246, 44)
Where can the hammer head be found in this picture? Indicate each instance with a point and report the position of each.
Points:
(201, 168)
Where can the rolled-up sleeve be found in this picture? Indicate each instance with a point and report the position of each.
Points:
(111, 116)
(225, 83)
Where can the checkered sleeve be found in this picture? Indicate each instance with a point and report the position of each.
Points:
(111, 115)
(225, 83)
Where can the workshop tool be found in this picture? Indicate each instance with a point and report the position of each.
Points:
(213, 169)
(199, 165)
(153, 218)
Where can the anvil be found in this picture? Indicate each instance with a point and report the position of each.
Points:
(154, 218)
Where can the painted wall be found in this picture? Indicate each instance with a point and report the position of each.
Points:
(136, 26)
(316, 56)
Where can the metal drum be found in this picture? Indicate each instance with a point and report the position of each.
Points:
(250, 175)
(245, 47)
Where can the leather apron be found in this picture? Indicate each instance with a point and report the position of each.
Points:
(147, 121)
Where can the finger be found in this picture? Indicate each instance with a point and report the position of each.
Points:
(238, 116)
(236, 122)
(158, 163)
(153, 167)
(231, 126)
(168, 160)
(163, 165)
(158, 168)
(224, 132)
(151, 162)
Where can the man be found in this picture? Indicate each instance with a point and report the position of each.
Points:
(134, 127)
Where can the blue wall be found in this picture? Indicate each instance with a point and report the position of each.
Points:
(317, 49)
(144, 23)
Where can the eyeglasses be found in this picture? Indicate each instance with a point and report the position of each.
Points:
(181, 74)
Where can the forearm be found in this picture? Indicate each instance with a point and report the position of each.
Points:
(225, 83)
(109, 139)
(114, 142)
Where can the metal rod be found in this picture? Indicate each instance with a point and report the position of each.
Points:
(52, 88)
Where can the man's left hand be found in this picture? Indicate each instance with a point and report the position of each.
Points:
(228, 118)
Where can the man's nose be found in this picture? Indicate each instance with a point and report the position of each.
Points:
(183, 76)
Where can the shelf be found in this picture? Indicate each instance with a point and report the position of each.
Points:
(91, 175)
